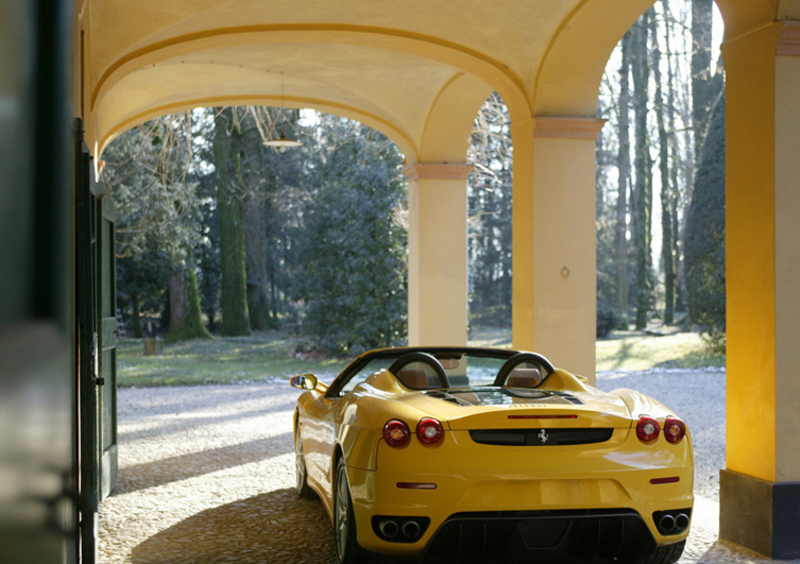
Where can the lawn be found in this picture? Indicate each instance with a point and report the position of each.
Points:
(220, 360)
(629, 351)
(273, 354)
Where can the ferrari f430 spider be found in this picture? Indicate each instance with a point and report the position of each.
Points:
(477, 453)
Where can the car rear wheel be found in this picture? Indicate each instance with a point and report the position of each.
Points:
(347, 549)
(303, 490)
(664, 554)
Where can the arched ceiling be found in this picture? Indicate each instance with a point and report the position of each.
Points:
(384, 63)
(394, 66)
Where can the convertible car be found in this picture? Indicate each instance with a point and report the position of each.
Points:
(491, 454)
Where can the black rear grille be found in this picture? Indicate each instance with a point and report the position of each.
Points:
(542, 536)
(540, 437)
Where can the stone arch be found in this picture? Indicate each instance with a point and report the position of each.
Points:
(510, 86)
(569, 77)
(450, 120)
(396, 134)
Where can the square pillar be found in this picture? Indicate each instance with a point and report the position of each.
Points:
(555, 265)
(760, 486)
(437, 254)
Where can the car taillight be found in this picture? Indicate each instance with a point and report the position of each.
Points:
(647, 429)
(396, 433)
(674, 430)
(429, 431)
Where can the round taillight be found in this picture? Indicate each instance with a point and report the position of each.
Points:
(674, 430)
(647, 429)
(429, 431)
(396, 433)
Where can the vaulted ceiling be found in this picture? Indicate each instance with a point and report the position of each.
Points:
(413, 69)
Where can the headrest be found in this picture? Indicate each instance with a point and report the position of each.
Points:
(524, 378)
(414, 379)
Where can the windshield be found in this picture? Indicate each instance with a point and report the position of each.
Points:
(463, 368)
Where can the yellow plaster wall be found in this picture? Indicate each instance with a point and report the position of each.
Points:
(564, 251)
(522, 236)
(437, 301)
(787, 267)
(750, 252)
(554, 299)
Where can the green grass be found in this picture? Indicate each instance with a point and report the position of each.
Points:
(636, 351)
(272, 354)
(220, 361)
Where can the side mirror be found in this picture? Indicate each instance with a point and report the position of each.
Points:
(304, 382)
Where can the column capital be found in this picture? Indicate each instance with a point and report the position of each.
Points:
(567, 127)
(438, 171)
(789, 39)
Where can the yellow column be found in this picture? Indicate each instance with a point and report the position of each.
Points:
(760, 487)
(554, 306)
(437, 254)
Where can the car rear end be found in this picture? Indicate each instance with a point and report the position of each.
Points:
(548, 478)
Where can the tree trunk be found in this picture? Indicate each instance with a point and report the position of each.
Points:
(137, 317)
(178, 301)
(642, 195)
(666, 217)
(235, 314)
(675, 164)
(624, 166)
(702, 87)
(256, 259)
(185, 316)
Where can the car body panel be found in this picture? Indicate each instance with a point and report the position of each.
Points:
(474, 477)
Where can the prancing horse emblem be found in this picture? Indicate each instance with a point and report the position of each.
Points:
(543, 436)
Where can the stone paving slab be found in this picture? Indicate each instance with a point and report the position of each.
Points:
(206, 476)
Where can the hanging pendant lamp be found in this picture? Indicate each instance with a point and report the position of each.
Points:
(282, 142)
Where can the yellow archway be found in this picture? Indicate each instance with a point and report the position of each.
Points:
(418, 74)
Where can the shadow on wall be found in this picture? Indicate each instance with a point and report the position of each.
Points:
(274, 527)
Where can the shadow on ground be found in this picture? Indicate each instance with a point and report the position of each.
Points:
(182, 467)
(274, 527)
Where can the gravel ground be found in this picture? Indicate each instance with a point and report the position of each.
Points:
(207, 474)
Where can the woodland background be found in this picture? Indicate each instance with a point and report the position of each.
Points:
(218, 234)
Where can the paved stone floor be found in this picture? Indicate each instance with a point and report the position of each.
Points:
(206, 476)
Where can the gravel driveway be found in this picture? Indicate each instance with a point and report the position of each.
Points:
(206, 473)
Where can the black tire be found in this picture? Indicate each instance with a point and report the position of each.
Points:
(344, 521)
(301, 474)
(665, 554)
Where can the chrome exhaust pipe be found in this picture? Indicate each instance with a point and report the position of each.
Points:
(411, 529)
(389, 528)
(667, 523)
(681, 521)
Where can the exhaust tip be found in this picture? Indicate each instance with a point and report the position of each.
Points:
(389, 528)
(681, 521)
(411, 529)
(667, 523)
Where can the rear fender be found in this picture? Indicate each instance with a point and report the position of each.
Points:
(639, 404)
(361, 420)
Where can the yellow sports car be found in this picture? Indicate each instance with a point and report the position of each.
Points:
(470, 452)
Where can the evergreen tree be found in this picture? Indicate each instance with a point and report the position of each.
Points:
(151, 174)
(705, 235)
(351, 267)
